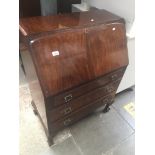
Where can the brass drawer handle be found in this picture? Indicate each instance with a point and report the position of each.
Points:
(105, 100)
(67, 121)
(67, 111)
(68, 98)
(114, 77)
(108, 100)
(109, 89)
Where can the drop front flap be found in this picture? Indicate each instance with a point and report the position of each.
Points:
(67, 59)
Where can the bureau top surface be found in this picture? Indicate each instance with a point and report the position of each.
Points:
(33, 25)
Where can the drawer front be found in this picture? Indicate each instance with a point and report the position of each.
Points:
(84, 100)
(72, 118)
(74, 93)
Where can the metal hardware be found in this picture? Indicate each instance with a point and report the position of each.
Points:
(67, 121)
(68, 98)
(113, 28)
(67, 110)
(86, 30)
(92, 20)
(105, 100)
(108, 100)
(109, 89)
(114, 77)
(111, 100)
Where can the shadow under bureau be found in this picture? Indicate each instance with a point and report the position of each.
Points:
(74, 64)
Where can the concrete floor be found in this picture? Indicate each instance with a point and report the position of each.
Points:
(112, 133)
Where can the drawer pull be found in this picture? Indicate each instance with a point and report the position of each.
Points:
(105, 100)
(108, 100)
(109, 89)
(67, 111)
(68, 98)
(114, 77)
(67, 121)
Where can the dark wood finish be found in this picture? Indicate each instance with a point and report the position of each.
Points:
(81, 101)
(57, 78)
(65, 6)
(83, 112)
(112, 41)
(82, 89)
(49, 24)
(89, 60)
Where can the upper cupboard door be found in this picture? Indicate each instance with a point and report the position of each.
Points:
(61, 60)
(107, 48)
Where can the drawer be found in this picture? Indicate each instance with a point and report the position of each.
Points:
(81, 101)
(70, 95)
(72, 118)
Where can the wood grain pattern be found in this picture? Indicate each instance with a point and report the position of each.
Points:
(82, 101)
(66, 70)
(83, 56)
(79, 60)
(84, 88)
(41, 24)
(107, 48)
(83, 112)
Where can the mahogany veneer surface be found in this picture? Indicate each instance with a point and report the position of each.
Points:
(77, 62)
(33, 25)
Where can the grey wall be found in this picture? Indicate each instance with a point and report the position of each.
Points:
(48, 7)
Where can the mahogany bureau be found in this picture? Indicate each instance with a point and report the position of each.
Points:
(76, 62)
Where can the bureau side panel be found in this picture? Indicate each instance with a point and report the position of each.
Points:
(34, 86)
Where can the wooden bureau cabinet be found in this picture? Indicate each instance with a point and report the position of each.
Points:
(74, 64)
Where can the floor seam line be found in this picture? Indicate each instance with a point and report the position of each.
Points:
(123, 117)
(77, 145)
(116, 146)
